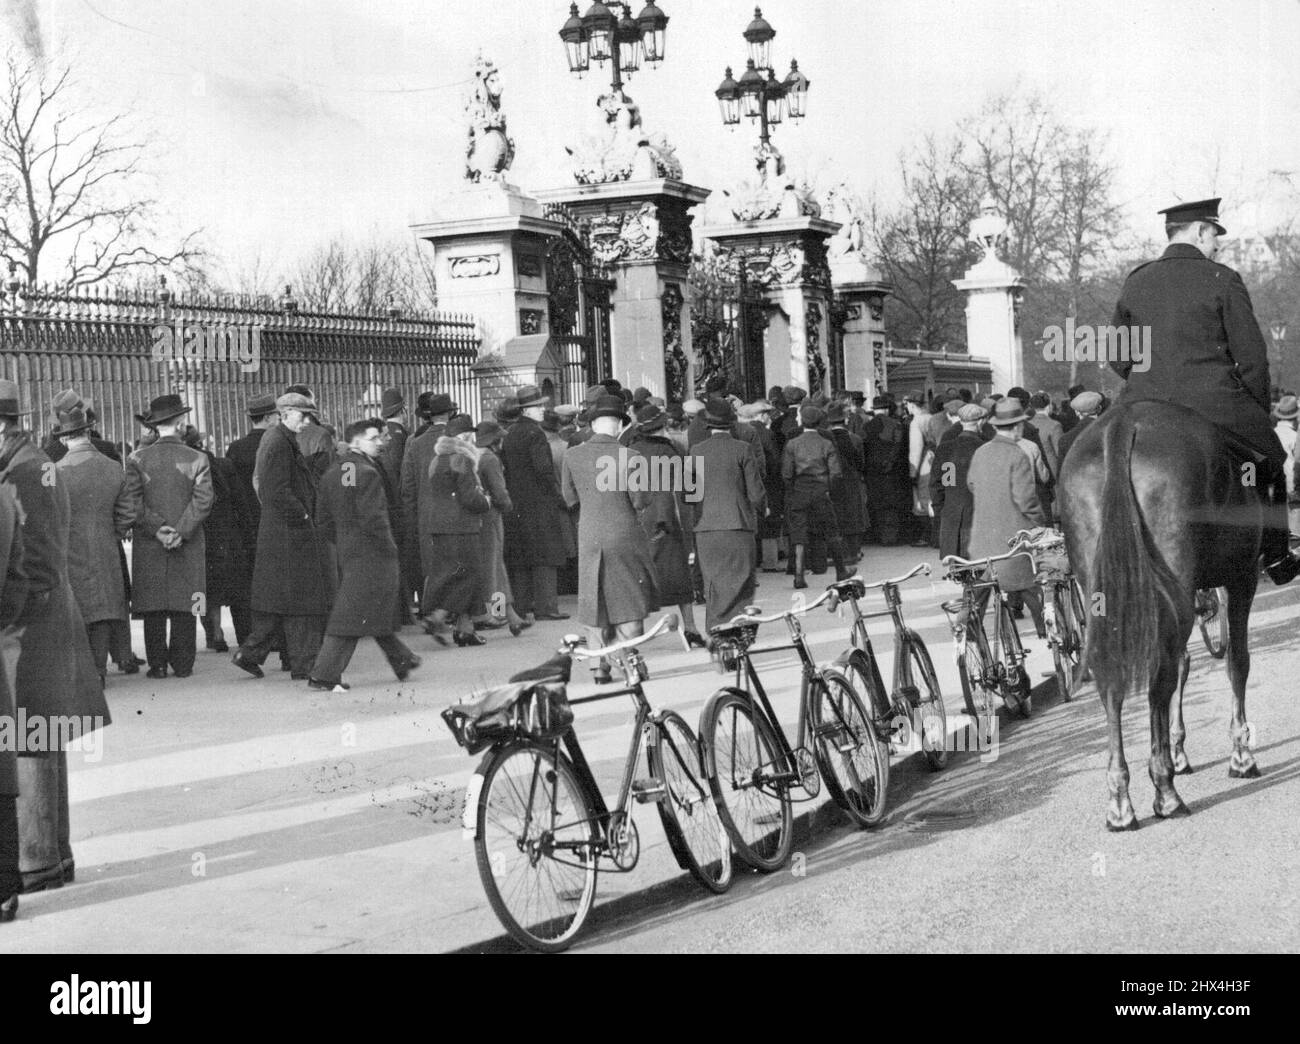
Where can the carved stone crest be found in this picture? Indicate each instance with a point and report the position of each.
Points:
(475, 266)
(622, 150)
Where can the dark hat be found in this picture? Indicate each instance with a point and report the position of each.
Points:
(610, 406)
(1287, 408)
(392, 403)
(651, 418)
(10, 400)
(881, 402)
(593, 393)
(71, 421)
(1020, 394)
(161, 410)
(715, 385)
(1039, 400)
(835, 413)
(915, 398)
(507, 411)
(487, 433)
(858, 397)
(719, 413)
(261, 406)
(1074, 390)
(531, 395)
(299, 389)
(612, 385)
(1007, 412)
(458, 425)
(812, 416)
(793, 394)
(626, 396)
(433, 404)
(66, 400)
(551, 421)
(1201, 210)
(641, 395)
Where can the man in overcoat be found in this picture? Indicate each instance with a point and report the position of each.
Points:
(1207, 353)
(293, 576)
(726, 517)
(102, 513)
(13, 595)
(393, 412)
(616, 581)
(534, 529)
(951, 498)
(417, 458)
(170, 486)
(886, 472)
(352, 509)
(56, 680)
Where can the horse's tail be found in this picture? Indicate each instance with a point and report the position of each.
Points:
(1133, 619)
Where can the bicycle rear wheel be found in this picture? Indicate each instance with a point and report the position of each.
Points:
(850, 757)
(740, 758)
(536, 846)
(933, 724)
(1014, 687)
(1067, 641)
(689, 813)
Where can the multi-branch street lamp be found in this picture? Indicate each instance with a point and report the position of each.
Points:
(758, 94)
(601, 36)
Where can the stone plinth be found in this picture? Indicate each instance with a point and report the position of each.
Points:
(786, 259)
(641, 232)
(490, 244)
(993, 289)
(861, 291)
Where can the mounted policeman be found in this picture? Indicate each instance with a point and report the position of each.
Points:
(1207, 353)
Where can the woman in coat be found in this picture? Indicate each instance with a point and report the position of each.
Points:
(498, 599)
(662, 519)
(454, 585)
(616, 580)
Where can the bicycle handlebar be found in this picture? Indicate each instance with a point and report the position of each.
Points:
(669, 621)
(748, 617)
(957, 562)
(923, 569)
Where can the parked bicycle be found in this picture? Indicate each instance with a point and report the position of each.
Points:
(750, 763)
(986, 675)
(540, 823)
(1063, 614)
(913, 707)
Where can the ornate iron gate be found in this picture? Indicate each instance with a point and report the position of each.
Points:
(579, 291)
(727, 326)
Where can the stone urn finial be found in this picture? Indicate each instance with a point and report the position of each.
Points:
(989, 230)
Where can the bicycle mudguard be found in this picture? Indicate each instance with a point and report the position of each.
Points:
(473, 789)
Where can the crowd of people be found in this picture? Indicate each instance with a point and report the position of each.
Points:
(313, 537)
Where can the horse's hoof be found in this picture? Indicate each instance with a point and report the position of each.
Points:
(1119, 828)
(1178, 811)
(1250, 773)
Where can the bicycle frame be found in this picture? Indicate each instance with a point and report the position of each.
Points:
(861, 641)
(973, 626)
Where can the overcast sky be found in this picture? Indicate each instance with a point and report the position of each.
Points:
(282, 122)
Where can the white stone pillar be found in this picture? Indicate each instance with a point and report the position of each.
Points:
(993, 292)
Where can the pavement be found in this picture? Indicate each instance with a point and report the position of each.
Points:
(230, 814)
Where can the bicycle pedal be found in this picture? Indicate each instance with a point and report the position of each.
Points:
(648, 790)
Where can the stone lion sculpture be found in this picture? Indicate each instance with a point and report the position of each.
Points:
(490, 151)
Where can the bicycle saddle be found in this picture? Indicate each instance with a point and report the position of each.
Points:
(853, 587)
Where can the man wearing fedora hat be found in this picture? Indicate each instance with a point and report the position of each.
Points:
(435, 410)
(886, 470)
(294, 569)
(616, 578)
(171, 489)
(55, 678)
(1005, 490)
(534, 528)
(102, 513)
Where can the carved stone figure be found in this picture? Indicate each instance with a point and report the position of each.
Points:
(773, 194)
(622, 150)
(490, 151)
(841, 206)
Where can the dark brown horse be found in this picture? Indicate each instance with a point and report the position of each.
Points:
(1153, 509)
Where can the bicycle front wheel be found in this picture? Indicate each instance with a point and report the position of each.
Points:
(933, 723)
(536, 846)
(690, 816)
(973, 669)
(741, 760)
(850, 756)
(1015, 684)
(1067, 641)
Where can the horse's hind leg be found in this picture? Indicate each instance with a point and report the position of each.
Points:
(1177, 730)
(1119, 813)
(1241, 764)
(1161, 767)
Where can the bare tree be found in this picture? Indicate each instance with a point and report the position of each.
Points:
(72, 188)
(368, 276)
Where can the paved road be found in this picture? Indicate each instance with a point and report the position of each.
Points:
(230, 814)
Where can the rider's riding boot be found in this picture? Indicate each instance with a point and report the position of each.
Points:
(799, 581)
(1281, 565)
(835, 544)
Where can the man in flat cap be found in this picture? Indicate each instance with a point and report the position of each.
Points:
(1087, 406)
(810, 466)
(1207, 353)
(954, 505)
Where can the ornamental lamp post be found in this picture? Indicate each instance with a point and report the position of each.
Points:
(601, 36)
(759, 94)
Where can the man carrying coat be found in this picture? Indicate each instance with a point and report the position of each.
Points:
(170, 486)
(293, 574)
(56, 682)
(352, 509)
(102, 513)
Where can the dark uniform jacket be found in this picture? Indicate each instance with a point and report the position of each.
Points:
(1207, 352)
(953, 503)
(733, 486)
